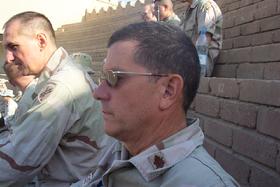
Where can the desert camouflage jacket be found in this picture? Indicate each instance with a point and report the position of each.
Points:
(59, 137)
(179, 160)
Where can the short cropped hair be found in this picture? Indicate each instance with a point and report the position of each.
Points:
(164, 48)
(169, 3)
(33, 20)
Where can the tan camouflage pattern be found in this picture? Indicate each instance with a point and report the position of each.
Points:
(204, 13)
(173, 20)
(3, 86)
(10, 109)
(59, 137)
(23, 104)
(179, 160)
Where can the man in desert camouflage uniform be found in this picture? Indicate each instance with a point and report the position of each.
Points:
(164, 12)
(149, 79)
(148, 13)
(204, 13)
(85, 62)
(58, 138)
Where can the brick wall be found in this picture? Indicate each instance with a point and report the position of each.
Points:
(239, 107)
(240, 119)
(92, 33)
(251, 40)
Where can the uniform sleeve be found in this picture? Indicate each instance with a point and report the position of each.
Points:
(33, 141)
(206, 17)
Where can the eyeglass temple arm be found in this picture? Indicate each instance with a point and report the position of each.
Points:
(135, 73)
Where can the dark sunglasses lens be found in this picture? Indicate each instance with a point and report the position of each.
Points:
(110, 78)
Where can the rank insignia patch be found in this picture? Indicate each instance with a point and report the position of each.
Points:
(157, 160)
(45, 92)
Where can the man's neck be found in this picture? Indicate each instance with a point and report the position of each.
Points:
(157, 133)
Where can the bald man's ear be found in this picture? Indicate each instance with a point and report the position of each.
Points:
(172, 90)
(42, 40)
(165, 7)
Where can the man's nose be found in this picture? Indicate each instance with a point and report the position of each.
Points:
(100, 92)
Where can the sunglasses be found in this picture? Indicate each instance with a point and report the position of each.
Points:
(112, 77)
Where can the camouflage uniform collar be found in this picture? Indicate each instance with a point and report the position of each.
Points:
(157, 159)
(173, 16)
(57, 60)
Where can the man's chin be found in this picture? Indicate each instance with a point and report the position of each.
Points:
(110, 129)
(28, 72)
(111, 133)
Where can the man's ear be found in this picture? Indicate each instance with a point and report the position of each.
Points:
(42, 40)
(172, 90)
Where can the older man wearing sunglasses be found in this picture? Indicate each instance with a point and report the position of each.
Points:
(149, 79)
